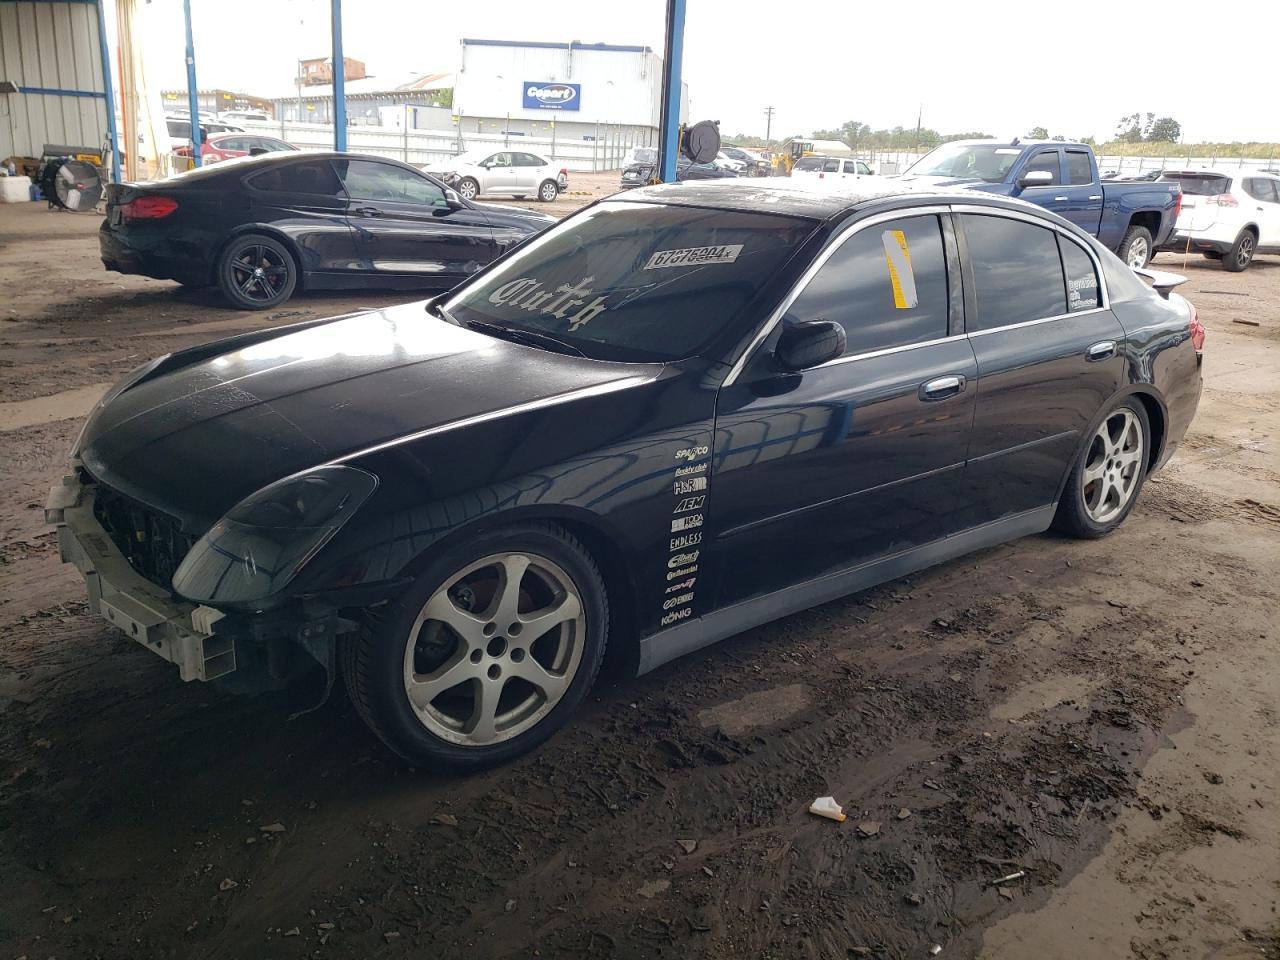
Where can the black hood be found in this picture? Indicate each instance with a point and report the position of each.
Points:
(197, 439)
(501, 215)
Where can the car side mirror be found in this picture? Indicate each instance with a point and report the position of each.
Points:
(1035, 178)
(452, 199)
(808, 344)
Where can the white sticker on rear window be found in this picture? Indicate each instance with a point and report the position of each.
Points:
(694, 256)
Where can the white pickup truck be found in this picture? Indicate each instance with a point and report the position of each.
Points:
(832, 173)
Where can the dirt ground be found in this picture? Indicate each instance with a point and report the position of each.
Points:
(1099, 719)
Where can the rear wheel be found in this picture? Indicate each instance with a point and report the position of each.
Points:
(256, 272)
(1108, 474)
(487, 654)
(1135, 248)
(548, 191)
(468, 189)
(1240, 255)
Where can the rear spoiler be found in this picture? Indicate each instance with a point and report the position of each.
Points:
(1161, 281)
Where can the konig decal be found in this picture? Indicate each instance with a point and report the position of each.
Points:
(552, 96)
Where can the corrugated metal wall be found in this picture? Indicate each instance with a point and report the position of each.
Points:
(50, 45)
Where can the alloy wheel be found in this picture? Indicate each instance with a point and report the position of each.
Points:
(494, 649)
(259, 272)
(468, 190)
(1138, 251)
(1245, 251)
(1113, 466)
(548, 192)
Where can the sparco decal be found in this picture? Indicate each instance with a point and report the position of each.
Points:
(692, 485)
(682, 559)
(690, 453)
(687, 540)
(691, 522)
(677, 601)
(676, 615)
(689, 503)
(682, 572)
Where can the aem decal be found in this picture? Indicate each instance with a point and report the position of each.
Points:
(539, 95)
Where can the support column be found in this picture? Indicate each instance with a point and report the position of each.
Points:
(193, 101)
(669, 145)
(339, 83)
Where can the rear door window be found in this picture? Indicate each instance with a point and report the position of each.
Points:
(886, 285)
(1260, 188)
(831, 166)
(1017, 271)
(1083, 292)
(809, 164)
(1079, 170)
(315, 177)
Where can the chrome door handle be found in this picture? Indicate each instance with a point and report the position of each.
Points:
(942, 387)
(1101, 350)
(1060, 198)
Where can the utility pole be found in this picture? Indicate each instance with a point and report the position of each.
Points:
(768, 125)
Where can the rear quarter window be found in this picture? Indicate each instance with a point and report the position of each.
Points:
(314, 177)
(1017, 271)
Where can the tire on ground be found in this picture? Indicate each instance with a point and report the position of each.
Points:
(548, 190)
(468, 188)
(373, 661)
(1135, 236)
(1238, 258)
(1072, 517)
(239, 261)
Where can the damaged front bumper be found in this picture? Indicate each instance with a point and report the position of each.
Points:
(185, 634)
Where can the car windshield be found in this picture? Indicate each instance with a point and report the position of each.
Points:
(980, 161)
(636, 282)
(646, 155)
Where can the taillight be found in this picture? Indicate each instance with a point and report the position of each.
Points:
(1223, 200)
(1197, 328)
(148, 208)
(1177, 207)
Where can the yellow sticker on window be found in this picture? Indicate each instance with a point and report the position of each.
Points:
(898, 256)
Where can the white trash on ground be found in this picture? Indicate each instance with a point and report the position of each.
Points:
(827, 807)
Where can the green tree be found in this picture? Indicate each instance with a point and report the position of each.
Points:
(1165, 130)
(1129, 129)
(1038, 133)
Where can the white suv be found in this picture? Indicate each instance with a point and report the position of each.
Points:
(1227, 215)
(514, 173)
(833, 172)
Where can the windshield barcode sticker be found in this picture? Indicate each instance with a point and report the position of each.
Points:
(694, 256)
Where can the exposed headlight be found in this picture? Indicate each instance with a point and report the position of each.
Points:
(265, 540)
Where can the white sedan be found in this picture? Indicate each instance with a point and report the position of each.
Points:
(514, 173)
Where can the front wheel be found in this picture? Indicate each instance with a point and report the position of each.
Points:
(487, 654)
(548, 191)
(1104, 483)
(468, 189)
(256, 272)
(1135, 248)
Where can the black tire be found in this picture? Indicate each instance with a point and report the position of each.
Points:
(255, 272)
(1074, 516)
(468, 188)
(1238, 258)
(1137, 240)
(548, 190)
(373, 664)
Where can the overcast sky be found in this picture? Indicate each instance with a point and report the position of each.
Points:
(1000, 68)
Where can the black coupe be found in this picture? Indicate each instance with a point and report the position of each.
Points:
(262, 227)
(683, 412)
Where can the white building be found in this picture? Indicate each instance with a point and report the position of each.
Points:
(520, 88)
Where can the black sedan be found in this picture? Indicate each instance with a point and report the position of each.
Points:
(640, 173)
(685, 411)
(262, 227)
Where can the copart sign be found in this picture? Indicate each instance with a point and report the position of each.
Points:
(552, 96)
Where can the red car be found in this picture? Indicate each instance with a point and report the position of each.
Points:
(224, 146)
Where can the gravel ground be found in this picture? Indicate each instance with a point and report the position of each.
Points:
(1101, 718)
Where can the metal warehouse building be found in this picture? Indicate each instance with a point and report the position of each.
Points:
(521, 87)
(52, 85)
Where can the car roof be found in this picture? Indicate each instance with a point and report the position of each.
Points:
(1213, 172)
(783, 198)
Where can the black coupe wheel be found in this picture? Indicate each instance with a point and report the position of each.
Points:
(1109, 473)
(256, 272)
(1238, 258)
(548, 191)
(487, 654)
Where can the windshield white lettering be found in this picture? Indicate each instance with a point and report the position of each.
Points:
(528, 294)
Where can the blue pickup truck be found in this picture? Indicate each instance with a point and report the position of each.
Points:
(1131, 218)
